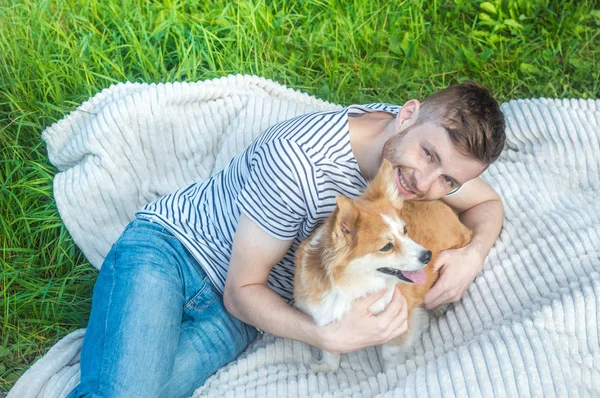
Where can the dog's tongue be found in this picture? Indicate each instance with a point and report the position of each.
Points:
(417, 277)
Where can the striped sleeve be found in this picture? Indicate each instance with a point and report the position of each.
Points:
(279, 189)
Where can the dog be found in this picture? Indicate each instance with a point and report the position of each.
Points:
(375, 242)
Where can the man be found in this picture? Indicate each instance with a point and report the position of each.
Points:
(159, 325)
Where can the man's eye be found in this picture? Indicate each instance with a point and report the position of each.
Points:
(449, 181)
(427, 153)
(387, 247)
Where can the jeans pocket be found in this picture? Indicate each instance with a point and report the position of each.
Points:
(205, 297)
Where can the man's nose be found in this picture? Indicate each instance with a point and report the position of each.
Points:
(425, 179)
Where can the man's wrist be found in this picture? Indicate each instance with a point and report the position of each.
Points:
(314, 334)
(476, 249)
(325, 338)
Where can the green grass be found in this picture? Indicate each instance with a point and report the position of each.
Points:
(55, 54)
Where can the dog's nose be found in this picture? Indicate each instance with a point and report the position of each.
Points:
(425, 256)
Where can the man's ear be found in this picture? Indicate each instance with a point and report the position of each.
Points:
(407, 114)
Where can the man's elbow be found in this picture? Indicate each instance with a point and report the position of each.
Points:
(229, 300)
(493, 204)
(497, 206)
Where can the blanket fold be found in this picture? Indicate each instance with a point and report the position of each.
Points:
(528, 326)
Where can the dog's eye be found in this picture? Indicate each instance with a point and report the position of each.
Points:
(405, 230)
(387, 247)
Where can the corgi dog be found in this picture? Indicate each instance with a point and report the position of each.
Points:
(375, 242)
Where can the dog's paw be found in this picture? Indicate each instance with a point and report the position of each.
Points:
(324, 367)
(329, 363)
(392, 356)
(439, 311)
(392, 361)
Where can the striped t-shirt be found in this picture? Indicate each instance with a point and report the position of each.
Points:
(286, 181)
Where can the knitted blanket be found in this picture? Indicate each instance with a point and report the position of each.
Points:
(528, 326)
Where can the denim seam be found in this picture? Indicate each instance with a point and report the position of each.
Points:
(200, 269)
(245, 334)
(190, 302)
(195, 263)
(101, 377)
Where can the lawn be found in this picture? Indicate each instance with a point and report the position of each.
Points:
(55, 54)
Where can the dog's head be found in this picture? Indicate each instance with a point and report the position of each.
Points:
(370, 238)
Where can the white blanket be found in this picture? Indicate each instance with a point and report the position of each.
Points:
(528, 326)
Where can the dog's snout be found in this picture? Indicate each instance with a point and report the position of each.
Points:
(425, 256)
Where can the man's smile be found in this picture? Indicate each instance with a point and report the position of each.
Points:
(403, 185)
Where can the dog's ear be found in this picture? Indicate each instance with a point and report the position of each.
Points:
(345, 218)
(383, 186)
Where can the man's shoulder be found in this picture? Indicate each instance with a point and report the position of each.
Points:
(360, 109)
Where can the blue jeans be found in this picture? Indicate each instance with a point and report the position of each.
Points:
(157, 326)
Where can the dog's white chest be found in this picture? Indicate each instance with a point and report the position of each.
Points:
(334, 305)
(338, 302)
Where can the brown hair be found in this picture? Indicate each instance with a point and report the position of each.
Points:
(472, 118)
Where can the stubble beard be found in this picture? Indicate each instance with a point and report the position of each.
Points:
(391, 148)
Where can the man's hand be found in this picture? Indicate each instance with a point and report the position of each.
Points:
(248, 298)
(481, 210)
(359, 329)
(458, 268)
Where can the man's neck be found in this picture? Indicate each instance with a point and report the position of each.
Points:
(368, 134)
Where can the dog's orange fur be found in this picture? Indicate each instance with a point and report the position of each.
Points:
(432, 224)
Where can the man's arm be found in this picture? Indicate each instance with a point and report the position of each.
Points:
(248, 298)
(480, 208)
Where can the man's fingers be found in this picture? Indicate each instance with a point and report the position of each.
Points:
(398, 327)
(432, 298)
(433, 303)
(370, 299)
(436, 291)
(440, 262)
(444, 298)
(440, 288)
(393, 307)
(400, 330)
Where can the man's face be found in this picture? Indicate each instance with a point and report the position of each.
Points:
(428, 165)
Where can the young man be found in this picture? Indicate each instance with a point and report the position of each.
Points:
(171, 293)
